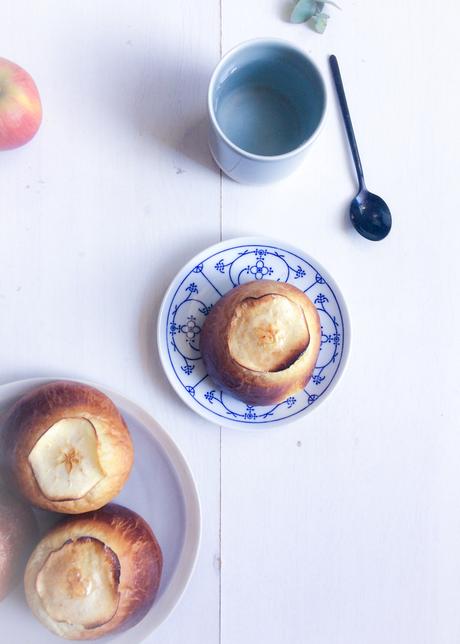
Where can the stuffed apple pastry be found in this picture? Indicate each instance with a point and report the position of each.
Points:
(94, 574)
(66, 447)
(261, 340)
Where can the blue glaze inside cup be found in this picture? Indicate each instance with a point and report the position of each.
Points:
(269, 99)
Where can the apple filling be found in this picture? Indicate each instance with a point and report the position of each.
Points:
(65, 460)
(267, 333)
(78, 584)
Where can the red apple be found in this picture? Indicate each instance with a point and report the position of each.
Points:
(20, 106)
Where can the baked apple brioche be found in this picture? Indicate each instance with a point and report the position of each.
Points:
(260, 342)
(94, 574)
(67, 447)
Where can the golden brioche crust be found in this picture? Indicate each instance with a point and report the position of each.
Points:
(251, 386)
(140, 566)
(37, 411)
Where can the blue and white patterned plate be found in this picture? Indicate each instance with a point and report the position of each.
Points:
(202, 282)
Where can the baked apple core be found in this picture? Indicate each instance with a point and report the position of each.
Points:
(267, 333)
(78, 583)
(65, 459)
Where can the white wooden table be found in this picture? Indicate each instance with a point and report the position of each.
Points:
(344, 527)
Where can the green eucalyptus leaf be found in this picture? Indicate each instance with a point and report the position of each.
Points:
(319, 8)
(319, 22)
(334, 4)
(303, 11)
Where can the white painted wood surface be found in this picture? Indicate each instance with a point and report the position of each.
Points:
(343, 528)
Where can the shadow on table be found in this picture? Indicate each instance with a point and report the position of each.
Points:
(163, 101)
(285, 9)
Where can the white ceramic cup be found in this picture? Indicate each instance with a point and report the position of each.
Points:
(266, 105)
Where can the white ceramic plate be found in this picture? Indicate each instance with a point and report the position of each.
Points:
(161, 489)
(202, 282)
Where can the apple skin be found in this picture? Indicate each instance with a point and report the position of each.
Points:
(20, 106)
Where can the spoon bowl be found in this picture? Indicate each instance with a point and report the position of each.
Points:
(370, 215)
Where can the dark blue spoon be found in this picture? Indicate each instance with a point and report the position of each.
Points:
(369, 214)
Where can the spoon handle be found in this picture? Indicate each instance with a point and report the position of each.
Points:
(347, 118)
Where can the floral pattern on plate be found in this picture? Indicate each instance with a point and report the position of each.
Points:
(192, 296)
